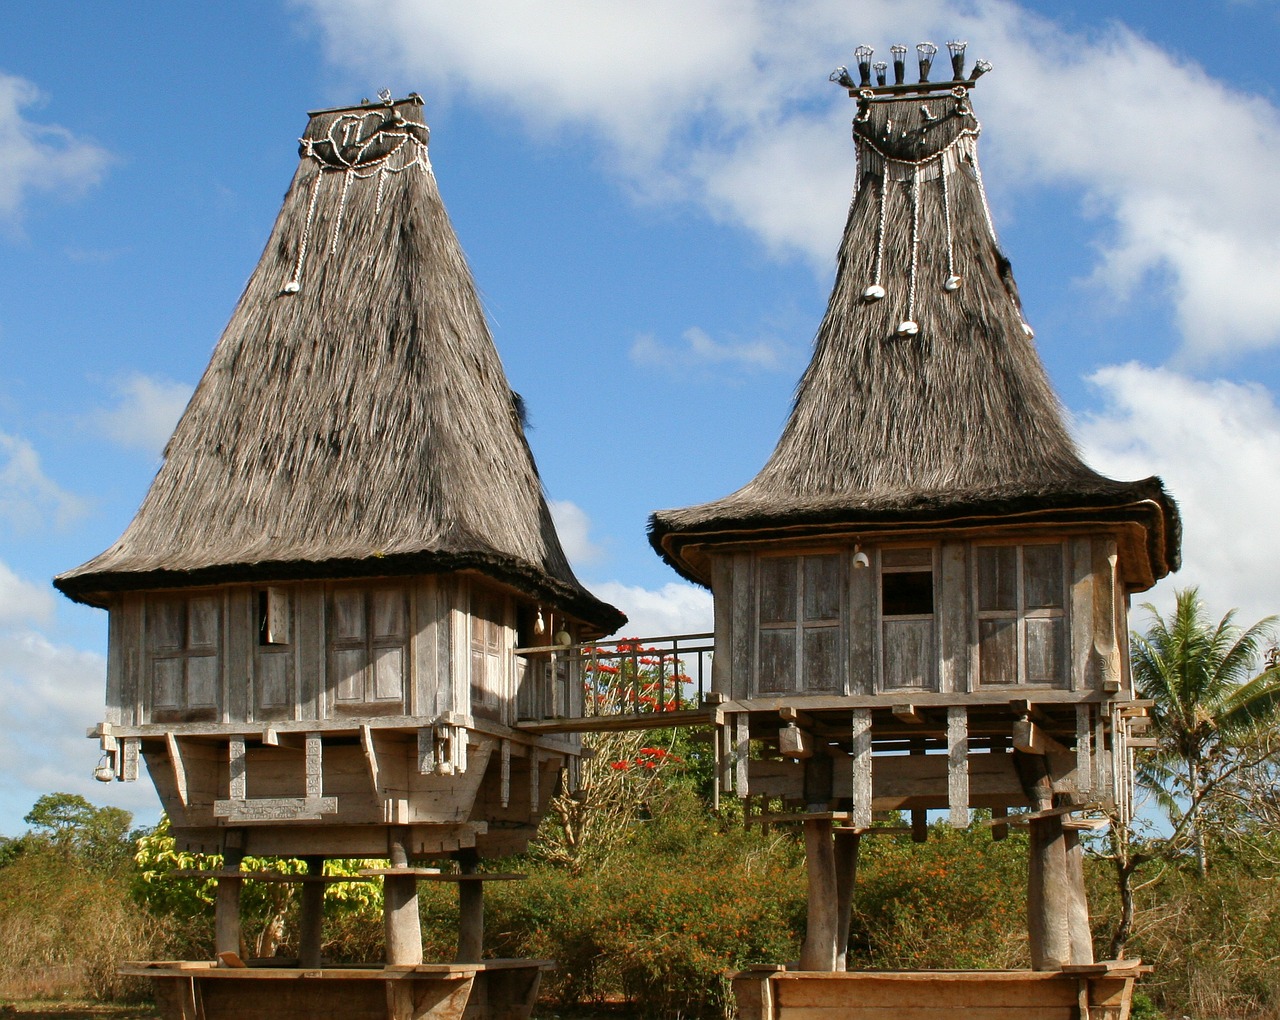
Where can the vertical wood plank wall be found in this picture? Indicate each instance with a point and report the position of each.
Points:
(1096, 609)
(951, 609)
(289, 679)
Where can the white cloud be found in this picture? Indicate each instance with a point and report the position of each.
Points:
(23, 601)
(574, 528)
(145, 412)
(39, 157)
(52, 694)
(723, 103)
(1215, 445)
(28, 497)
(675, 608)
(699, 350)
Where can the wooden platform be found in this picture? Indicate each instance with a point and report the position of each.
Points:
(1098, 992)
(492, 990)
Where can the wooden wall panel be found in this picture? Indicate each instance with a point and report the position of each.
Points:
(1080, 579)
(722, 577)
(742, 610)
(862, 630)
(309, 633)
(240, 637)
(426, 662)
(953, 611)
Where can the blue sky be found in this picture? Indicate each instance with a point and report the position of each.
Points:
(651, 197)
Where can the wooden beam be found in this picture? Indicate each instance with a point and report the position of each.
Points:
(908, 714)
(371, 760)
(179, 769)
(1030, 738)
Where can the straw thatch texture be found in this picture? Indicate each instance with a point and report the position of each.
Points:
(362, 424)
(956, 420)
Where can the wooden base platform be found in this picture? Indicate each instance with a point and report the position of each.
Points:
(1101, 991)
(492, 990)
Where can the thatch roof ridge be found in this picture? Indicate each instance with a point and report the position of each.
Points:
(930, 394)
(354, 415)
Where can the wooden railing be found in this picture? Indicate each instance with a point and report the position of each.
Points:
(630, 676)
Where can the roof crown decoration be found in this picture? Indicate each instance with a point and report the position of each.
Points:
(354, 419)
(925, 397)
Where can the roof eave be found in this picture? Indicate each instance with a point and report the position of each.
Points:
(1151, 558)
(95, 589)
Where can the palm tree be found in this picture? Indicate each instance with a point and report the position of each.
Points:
(1208, 693)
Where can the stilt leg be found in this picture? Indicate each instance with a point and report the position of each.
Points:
(1078, 906)
(1048, 898)
(400, 908)
(311, 925)
(470, 910)
(226, 909)
(846, 862)
(819, 950)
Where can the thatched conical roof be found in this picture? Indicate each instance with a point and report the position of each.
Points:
(925, 400)
(355, 419)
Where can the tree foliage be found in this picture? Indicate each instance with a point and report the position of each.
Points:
(1211, 701)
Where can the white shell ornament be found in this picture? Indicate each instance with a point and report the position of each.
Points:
(292, 287)
(1031, 333)
(952, 283)
(873, 293)
(908, 327)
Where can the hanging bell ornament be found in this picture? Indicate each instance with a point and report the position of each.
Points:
(539, 625)
(873, 293)
(952, 284)
(1031, 333)
(104, 772)
(908, 327)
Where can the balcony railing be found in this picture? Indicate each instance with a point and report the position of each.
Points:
(624, 678)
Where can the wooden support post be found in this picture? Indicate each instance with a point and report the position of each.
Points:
(861, 763)
(1048, 895)
(819, 950)
(470, 910)
(1078, 903)
(846, 862)
(311, 923)
(226, 903)
(400, 906)
(958, 765)
(741, 753)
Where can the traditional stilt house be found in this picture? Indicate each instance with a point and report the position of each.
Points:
(920, 600)
(314, 612)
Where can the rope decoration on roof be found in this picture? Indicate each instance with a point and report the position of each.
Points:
(941, 165)
(359, 146)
